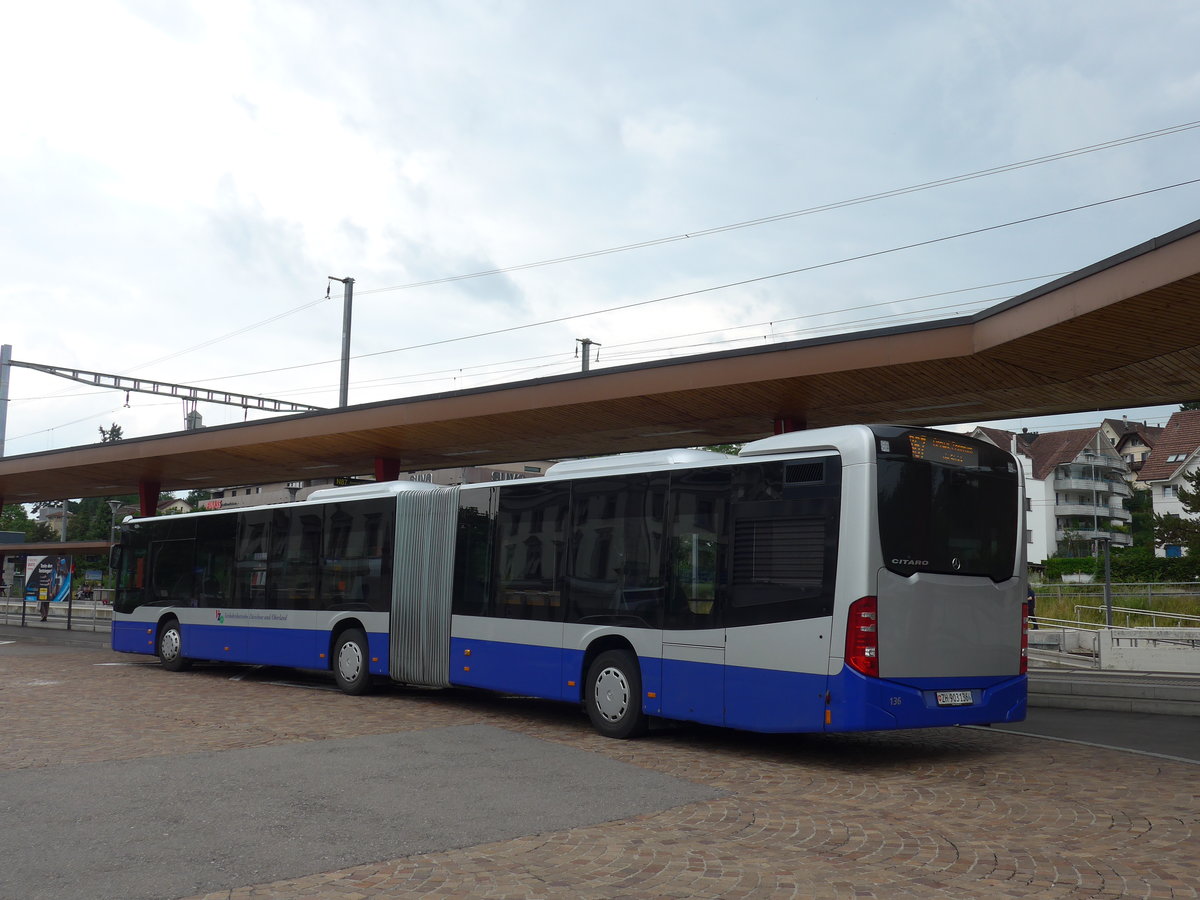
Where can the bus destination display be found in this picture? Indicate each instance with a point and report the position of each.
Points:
(938, 449)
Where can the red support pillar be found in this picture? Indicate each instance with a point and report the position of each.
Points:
(386, 468)
(148, 492)
(784, 424)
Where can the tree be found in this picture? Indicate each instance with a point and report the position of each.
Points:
(1184, 532)
(195, 498)
(1191, 404)
(111, 435)
(1141, 510)
(14, 518)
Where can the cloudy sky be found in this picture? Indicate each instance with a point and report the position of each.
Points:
(179, 180)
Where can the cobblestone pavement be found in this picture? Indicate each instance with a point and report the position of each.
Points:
(948, 813)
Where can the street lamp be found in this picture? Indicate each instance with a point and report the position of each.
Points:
(114, 505)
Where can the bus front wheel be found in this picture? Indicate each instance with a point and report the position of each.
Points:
(170, 647)
(351, 667)
(613, 695)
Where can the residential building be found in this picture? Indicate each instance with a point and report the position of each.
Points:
(1176, 454)
(1075, 486)
(174, 506)
(1133, 440)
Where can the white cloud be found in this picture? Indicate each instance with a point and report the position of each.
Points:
(666, 135)
(173, 174)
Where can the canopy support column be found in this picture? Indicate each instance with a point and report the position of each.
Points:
(386, 468)
(784, 424)
(148, 492)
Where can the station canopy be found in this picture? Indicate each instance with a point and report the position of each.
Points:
(1124, 332)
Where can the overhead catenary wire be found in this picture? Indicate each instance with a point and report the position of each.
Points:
(778, 217)
(719, 229)
(712, 288)
(724, 286)
(1118, 142)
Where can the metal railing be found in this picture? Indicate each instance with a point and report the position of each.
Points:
(1180, 619)
(73, 614)
(1064, 639)
(1137, 589)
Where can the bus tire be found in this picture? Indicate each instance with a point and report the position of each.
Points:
(613, 695)
(170, 647)
(351, 662)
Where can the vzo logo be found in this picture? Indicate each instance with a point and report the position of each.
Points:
(220, 616)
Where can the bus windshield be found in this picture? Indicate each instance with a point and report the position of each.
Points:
(947, 504)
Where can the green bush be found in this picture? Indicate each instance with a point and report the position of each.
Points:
(1059, 566)
(1128, 564)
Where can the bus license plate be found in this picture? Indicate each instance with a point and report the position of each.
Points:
(954, 698)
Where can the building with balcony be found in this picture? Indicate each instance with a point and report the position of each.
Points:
(1176, 454)
(1076, 485)
(1133, 440)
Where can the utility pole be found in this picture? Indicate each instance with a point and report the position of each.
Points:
(587, 344)
(1108, 617)
(344, 391)
(5, 360)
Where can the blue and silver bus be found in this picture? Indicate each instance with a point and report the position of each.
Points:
(838, 579)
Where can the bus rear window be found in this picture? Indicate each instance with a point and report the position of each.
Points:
(947, 504)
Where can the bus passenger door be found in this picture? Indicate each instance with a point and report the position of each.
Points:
(693, 644)
(693, 654)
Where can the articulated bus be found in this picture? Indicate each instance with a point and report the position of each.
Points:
(839, 579)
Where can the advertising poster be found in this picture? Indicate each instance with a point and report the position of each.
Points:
(47, 578)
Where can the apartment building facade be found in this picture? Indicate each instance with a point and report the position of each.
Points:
(1076, 485)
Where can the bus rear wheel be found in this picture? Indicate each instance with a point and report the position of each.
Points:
(170, 647)
(613, 695)
(351, 667)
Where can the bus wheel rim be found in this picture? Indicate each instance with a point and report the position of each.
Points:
(350, 661)
(170, 644)
(612, 694)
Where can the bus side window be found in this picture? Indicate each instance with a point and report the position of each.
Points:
(473, 553)
(172, 575)
(356, 565)
(616, 568)
(529, 554)
(785, 532)
(214, 559)
(250, 589)
(699, 549)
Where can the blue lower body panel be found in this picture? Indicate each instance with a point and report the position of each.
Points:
(134, 637)
(299, 648)
(512, 668)
(771, 701)
(762, 700)
(293, 647)
(858, 703)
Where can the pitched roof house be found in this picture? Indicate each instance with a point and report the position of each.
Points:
(1133, 440)
(1176, 453)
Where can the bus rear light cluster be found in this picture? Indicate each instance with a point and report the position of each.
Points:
(862, 637)
(1024, 638)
